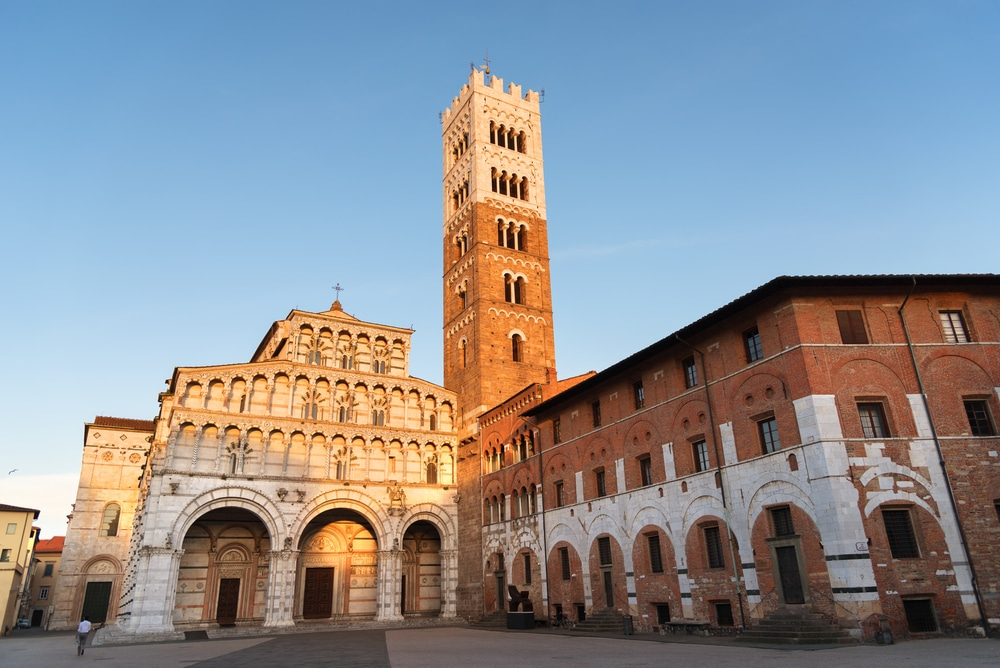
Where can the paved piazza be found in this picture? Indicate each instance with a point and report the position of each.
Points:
(473, 648)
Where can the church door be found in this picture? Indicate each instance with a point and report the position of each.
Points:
(317, 601)
(788, 572)
(229, 599)
(95, 601)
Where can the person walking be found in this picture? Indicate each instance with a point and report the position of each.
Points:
(81, 635)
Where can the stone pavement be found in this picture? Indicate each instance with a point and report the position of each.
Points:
(437, 647)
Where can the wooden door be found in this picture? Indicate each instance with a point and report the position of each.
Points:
(317, 600)
(609, 588)
(95, 602)
(229, 599)
(788, 573)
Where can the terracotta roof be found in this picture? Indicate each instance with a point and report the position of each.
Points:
(54, 544)
(901, 282)
(123, 423)
(18, 509)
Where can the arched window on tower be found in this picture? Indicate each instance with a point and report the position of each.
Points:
(109, 523)
(463, 351)
(432, 473)
(519, 290)
(516, 348)
(522, 237)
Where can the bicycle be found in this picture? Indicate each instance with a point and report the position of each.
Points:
(562, 622)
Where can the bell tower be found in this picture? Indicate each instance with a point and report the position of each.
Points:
(498, 334)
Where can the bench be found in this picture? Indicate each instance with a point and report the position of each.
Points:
(687, 626)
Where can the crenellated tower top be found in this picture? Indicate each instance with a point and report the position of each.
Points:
(477, 81)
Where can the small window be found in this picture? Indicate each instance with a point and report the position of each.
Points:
(873, 422)
(781, 520)
(602, 488)
(527, 568)
(49, 567)
(43, 593)
(954, 328)
(700, 455)
(564, 559)
(899, 531)
(852, 327)
(646, 470)
(751, 345)
(690, 372)
(556, 431)
(655, 555)
(920, 617)
(980, 422)
(560, 502)
(109, 524)
(5, 554)
(724, 614)
(638, 394)
(713, 547)
(595, 410)
(604, 550)
(768, 430)
(11, 528)
(516, 348)
(996, 506)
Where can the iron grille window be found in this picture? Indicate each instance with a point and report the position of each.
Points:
(751, 344)
(769, 435)
(781, 519)
(564, 559)
(700, 456)
(604, 550)
(646, 470)
(690, 372)
(655, 555)
(899, 531)
(724, 614)
(43, 593)
(713, 546)
(595, 409)
(979, 418)
(527, 568)
(852, 327)
(920, 617)
(602, 488)
(954, 328)
(873, 422)
(638, 394)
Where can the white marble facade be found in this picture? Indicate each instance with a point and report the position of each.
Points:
(314, 482)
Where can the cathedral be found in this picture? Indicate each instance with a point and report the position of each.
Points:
(820, 446)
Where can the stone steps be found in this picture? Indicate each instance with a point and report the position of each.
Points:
(602, 621)
(797, 627)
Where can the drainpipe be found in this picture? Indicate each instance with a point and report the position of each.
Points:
(941, 463)
(722, 485)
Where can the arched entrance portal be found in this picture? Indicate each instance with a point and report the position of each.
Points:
(223, 570)
(338, 567)
(420, 586)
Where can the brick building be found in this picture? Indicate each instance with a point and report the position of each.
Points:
(821, 441)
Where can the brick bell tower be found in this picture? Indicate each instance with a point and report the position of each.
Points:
(498, 333)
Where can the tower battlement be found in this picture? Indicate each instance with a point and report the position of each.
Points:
(477, 81)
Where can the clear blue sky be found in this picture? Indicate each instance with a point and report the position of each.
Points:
(175, 176)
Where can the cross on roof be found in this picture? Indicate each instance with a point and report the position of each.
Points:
(338, 289)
